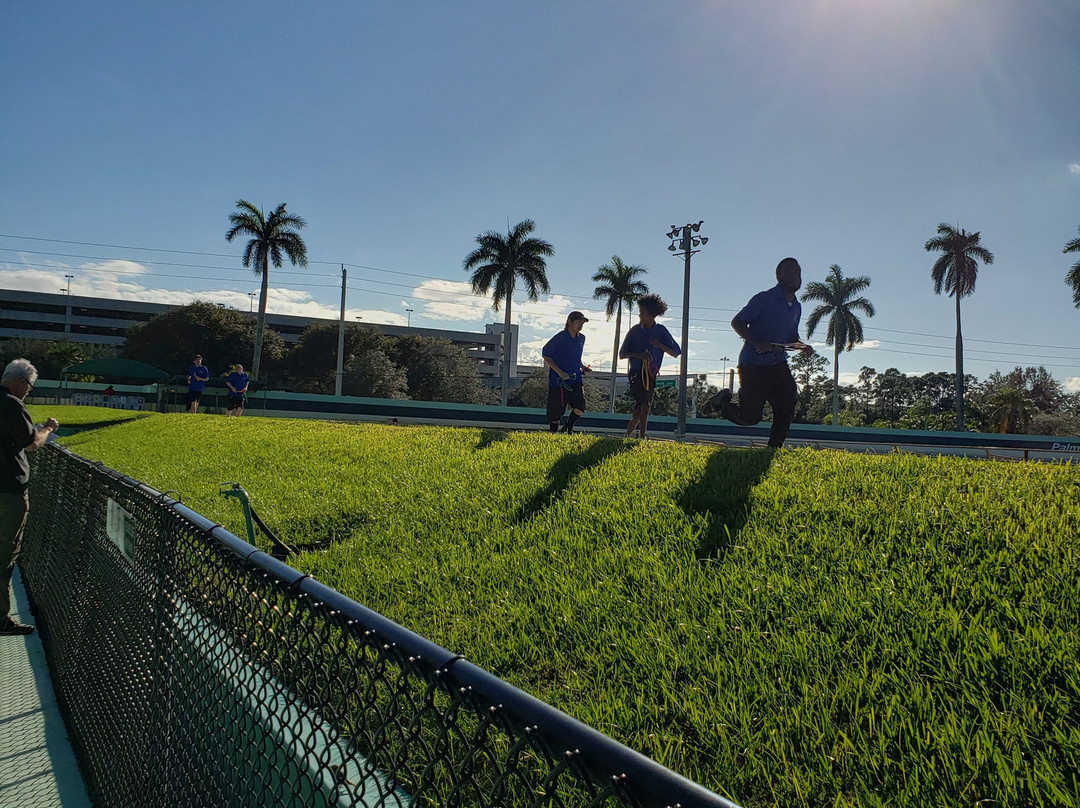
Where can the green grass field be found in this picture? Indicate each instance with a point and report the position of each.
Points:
(799, 628)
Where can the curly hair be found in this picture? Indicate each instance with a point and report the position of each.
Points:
(652, 303)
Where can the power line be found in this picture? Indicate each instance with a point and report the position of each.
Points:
(412, 288)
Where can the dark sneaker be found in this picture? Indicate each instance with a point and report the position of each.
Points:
(9, 626)
(716, 403)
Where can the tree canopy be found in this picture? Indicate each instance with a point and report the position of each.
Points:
(408, 366)
(223, 337)
(1073, 276)
(955, 271)
(497, 263)
(618, 284)
(838, 302)
(273, 238)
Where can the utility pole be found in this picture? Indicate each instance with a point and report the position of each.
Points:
(340, 339)
(687, 241)
(409, 312)
(67, 307)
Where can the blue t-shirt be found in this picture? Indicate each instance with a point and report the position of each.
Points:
(200, 375)
(239, 381)
(638, 339)
(564, 351)
(770, 318)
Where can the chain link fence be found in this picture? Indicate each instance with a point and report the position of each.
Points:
(194, 670)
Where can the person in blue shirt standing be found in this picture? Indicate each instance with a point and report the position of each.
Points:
(197, 377)
(769, 326)
(645, 345)
(238, 385)
(562, 355)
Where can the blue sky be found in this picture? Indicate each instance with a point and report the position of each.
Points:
(835, 131)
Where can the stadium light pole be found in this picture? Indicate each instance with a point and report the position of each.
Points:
(687, 240)
(67, 307)
(409, 312)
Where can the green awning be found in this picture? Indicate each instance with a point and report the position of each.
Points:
(117, 369)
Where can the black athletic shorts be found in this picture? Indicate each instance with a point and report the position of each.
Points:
(559, 398)
(638, 391)
(193, 396)
(235, 401)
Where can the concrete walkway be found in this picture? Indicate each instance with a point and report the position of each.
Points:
(37, 766)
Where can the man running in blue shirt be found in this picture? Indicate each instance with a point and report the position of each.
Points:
(562, 355)
(645, 345)
(767, 323)
(238, 385)
(197, 377)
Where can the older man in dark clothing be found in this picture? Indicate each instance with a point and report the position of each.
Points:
(17, 436)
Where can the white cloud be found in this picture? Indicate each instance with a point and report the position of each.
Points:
(1074, 168)
(115, 267)
(549, 314)
(118, 280)
(1073, 384)
(451, 301)
(106, 281)
(867, 345)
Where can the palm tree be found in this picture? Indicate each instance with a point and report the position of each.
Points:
(271, 237)
(497, 263)
(955, 271)
(1011, 410)
(617, 282)
(838, 303)
(1073, 276)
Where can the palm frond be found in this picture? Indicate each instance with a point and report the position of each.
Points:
(1074, 245)
(1073, 279)
(617, 284)
(836, 295)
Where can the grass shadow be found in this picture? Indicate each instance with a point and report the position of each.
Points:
(320, 531)
(563, 471)
(66, 430)
(490, 436)
(722, 495)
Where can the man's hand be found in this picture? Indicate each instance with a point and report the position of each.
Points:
(52, 425)
(807, 350)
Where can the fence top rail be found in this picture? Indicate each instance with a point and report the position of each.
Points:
(585, 747)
